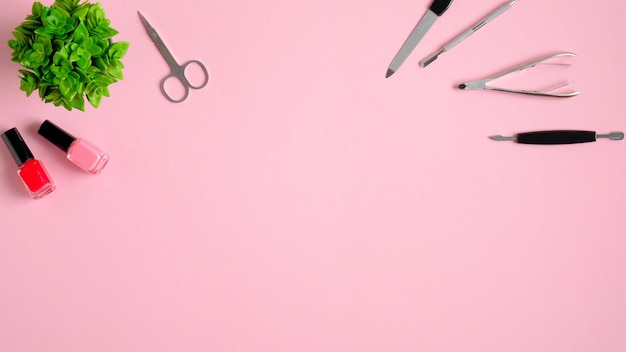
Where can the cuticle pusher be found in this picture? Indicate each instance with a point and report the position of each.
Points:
(437, 8)
(461, 37)
(558, 137)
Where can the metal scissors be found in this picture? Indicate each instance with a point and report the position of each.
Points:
(178, 71)
(482, 83)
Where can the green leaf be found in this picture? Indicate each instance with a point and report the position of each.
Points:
(116, 72)
(20, 38)
(82, 75)
(63, 8)
(14, 44)
(53, 96)
(44, 32)
(37, 9)
(30, 26)
(103, 31)
(57, 21)
(66, 5)
(78, 102)
(93, 48)
(96, 13)
(61, 71)
(118, 50)
(94, 99)
(28, 82)
(80, 33)
(24, 31)
(81, 11)
(66, 86)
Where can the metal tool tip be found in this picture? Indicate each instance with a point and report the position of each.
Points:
(428, 61)
(432, 57)
(498, 137)
(389, 73)
(463, 86)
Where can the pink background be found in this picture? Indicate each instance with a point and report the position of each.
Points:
(303, 202)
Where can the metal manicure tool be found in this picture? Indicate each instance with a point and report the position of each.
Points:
(179, 72)
(461, 37)
(437, 8)
(558, 137)
(483, 83)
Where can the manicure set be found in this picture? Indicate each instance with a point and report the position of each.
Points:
(436, 10)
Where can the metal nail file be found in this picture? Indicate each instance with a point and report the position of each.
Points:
(558, 137)
(437, 8)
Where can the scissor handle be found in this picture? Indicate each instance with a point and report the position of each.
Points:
(178, 73)
(204, 70)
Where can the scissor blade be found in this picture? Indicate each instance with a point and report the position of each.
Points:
(145, 22)
(416, 36)
(153, 34)
(158, 42)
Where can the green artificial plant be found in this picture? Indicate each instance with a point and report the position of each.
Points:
(67, 53)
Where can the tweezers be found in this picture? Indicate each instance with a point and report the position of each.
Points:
(482, 83)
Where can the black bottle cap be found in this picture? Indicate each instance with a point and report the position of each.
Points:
(18, 148)
(56, 135)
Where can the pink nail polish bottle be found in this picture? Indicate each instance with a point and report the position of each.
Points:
(79, 151)
(30, 170)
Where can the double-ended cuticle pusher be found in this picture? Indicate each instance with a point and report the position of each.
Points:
(558, 137)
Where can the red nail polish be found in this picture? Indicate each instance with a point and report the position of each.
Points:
(31, 171)
(79, 151)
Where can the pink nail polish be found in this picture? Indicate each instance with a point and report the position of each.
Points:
(79, 151)
(30, 170)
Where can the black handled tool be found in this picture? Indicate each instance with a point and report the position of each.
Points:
(558, 137)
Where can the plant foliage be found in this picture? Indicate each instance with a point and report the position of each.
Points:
(67, 53)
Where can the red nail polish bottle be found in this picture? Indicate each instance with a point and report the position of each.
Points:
(31, 171)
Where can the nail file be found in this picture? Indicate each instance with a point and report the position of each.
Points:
(437, 8)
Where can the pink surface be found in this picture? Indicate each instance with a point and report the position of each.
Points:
(303, 202)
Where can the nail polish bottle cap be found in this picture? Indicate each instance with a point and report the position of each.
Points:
(56, 135)
(18, 148)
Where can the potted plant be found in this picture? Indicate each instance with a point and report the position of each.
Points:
(67, 53)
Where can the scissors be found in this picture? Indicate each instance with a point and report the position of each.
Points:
(178, 71)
